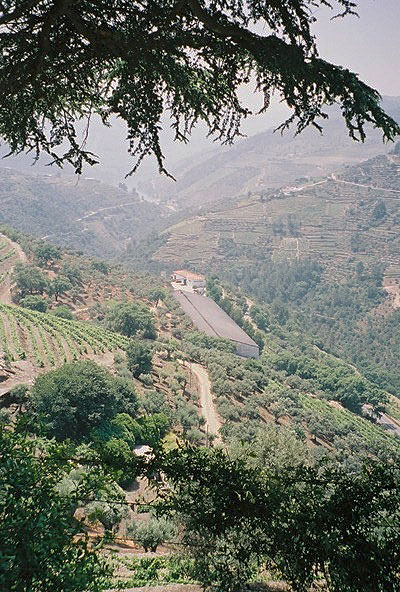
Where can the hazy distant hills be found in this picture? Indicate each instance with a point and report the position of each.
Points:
(267, 160)
(80, 213)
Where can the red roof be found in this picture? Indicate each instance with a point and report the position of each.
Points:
(189, 275)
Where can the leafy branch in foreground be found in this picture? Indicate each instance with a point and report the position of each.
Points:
(63, 61)
(309, 523)
(44, 546)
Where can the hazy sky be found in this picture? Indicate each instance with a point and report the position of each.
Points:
(369, 45)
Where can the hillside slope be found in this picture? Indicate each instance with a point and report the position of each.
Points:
(79, 213)
(337, 219)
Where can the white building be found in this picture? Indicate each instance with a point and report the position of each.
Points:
(188, 278)
(209, 318)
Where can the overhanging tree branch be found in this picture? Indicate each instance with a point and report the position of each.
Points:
(62, 60)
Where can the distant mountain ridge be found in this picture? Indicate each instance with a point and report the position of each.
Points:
(267, 160)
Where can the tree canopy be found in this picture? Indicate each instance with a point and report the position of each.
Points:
(76, 398)
(43, 545)
(139, 358)
(29, 279)
(131, 318)
(309, 523)
(63, 61)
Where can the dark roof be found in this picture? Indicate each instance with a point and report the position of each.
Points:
(210, 318)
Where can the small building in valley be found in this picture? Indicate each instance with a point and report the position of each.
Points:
(188, 278)
(208, 317)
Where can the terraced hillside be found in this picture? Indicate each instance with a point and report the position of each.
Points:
(338, 220)
(265, 160)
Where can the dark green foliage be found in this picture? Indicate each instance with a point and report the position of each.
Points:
(201, 340)
(188, 58)
(139, 358)
(339, 317)
(131, 318)
(72, 272)
(337, 380)
(45, 253)
(72, 400)
(101, 266)
(307, 523)
(115, 441)
(154, 402)
(28, 279)
(59, 286)
(153, 429)
(152, 533)
(63, 312)
(43, 547)
(34, 302)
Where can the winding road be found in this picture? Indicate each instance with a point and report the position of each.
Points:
(213, 423)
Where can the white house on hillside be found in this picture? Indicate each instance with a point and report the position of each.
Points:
(188, 278)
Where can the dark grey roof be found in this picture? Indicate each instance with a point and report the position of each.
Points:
(210, 318)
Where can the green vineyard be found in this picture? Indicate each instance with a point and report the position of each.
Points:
(48, 340)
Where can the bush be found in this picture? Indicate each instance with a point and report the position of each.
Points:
(34, 302)
(151, 534)
(131, 318)
(139, 358)
(72, 400)
(64, 312)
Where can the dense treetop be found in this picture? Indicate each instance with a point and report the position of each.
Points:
(75, 398)
(65, 60)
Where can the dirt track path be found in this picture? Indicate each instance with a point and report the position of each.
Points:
(338, 180)
(5, 286)
(213, 423)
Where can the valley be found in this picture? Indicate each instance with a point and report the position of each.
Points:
(199, 329)
(298, 402)
(265, 160)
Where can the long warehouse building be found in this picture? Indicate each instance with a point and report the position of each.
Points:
(208, 317)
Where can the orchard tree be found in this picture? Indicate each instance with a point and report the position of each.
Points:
(29, 279)
(139, 358)
(46, 253)
(65, 61)
(131, 318)
(72, 400)
(59, 286)
(152, 533)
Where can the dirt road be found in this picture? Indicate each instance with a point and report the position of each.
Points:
(8, 266)
(389, 424)
(206, 400)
